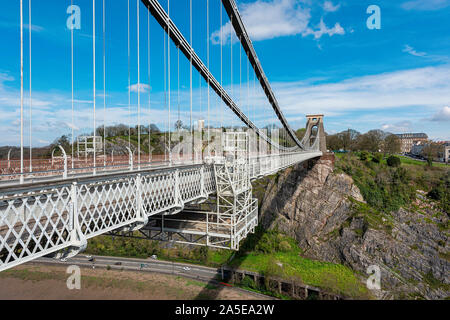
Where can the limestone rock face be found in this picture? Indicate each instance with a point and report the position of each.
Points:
(317, 207)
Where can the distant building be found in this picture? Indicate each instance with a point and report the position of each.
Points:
(407, 140)
(417, 149)
(442, 150)
(447, 153)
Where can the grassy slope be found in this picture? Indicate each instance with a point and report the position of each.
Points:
(260, 252)
(276, 255)
(409, 161)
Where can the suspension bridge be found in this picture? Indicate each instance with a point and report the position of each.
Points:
(197, 189)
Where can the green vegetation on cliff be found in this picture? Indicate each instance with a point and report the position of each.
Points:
(389, 187)
(276, 255)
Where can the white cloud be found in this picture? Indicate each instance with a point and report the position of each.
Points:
(360, 99)
(438, 58)
(83, 101)
(425, 4)
(8, 99)
(412, 51)
(323, 29)
(328, 6)
(143, 88)
(402, 126)
(54, 118)
(34, 28)
(442, 115)
(425, 87)
(276, 18)
(224, 34)
(72, 126)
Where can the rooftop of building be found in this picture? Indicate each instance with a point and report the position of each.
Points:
(412, 136)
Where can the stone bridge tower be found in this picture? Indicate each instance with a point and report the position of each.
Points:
(314, 131)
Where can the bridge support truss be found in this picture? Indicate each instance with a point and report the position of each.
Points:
(229, 216)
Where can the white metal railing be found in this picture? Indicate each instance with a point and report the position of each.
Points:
(41, 220)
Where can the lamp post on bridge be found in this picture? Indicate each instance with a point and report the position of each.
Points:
(9, 158)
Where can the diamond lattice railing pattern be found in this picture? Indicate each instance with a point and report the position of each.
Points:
(40, 221)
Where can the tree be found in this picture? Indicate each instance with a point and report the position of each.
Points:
(353, 134)
(430, 152)
(300, 133)
(334, 143)
(363, 156)
(377, 157)
(346, 139)
(62, 141)
(393, 161)
(154, 128)
(178, 125)
(392, 144)
(343, 140)
(100, 132)
(370, 141)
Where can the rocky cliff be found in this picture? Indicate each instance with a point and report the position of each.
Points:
(326, 213)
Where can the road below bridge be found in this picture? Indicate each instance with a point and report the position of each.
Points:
(201, 273)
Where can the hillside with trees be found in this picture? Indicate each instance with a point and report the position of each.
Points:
(372, 141)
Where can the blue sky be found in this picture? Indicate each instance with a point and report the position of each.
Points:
(319, 56)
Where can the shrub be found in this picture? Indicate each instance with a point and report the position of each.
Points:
(249, 283)
(435, 193)
(393, 161)
(377, 157)
(272, 270)
(384, 188)
(201, 254)
(363, 156)
(440, 192)
(284, 246)
(267, 243)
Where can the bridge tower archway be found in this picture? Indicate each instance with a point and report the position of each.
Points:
(315, 133)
